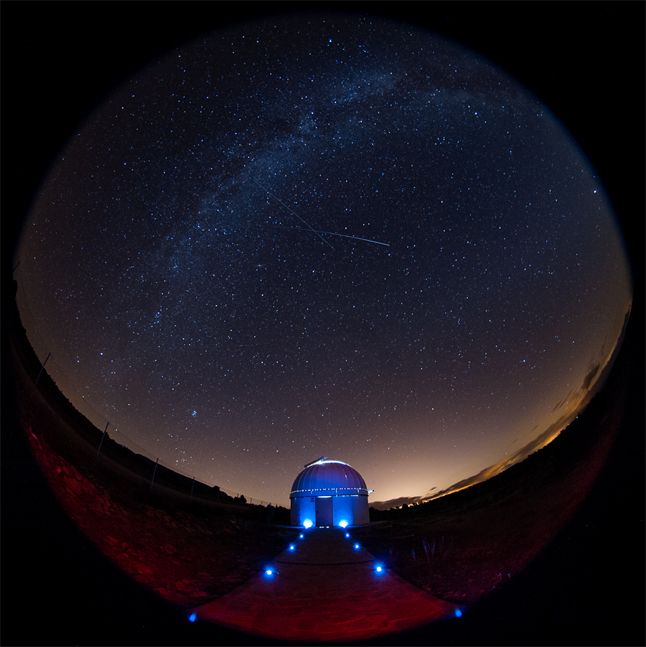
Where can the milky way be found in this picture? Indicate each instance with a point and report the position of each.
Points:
(323, 236)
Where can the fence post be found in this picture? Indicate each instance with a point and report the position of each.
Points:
(98, 451)
(42, 368)
(152, 480)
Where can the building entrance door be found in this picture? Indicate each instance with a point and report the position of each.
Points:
(324, 511)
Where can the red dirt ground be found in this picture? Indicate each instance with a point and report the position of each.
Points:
(325, 591)
(157, 547)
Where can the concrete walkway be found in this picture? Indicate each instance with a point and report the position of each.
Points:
(325, 590)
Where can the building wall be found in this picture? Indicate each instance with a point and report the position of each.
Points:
(303, 508)
(353, 509)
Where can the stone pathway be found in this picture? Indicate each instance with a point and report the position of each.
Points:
(325, 590)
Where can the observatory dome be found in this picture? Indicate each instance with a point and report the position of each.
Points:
(329, 492)
(327, 476)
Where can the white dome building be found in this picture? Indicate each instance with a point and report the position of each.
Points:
(329, 493)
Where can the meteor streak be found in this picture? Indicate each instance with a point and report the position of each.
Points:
(318, 232)
(334, 233)
(292, 212)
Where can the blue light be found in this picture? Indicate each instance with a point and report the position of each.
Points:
(292, 547)
(307, 523)
(269, 572)
(343, 524)
(301, 536)
(356, 547)
(458, 613)
(347, 535)
(192, 617)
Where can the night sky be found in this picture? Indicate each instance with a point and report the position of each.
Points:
(323, 236)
